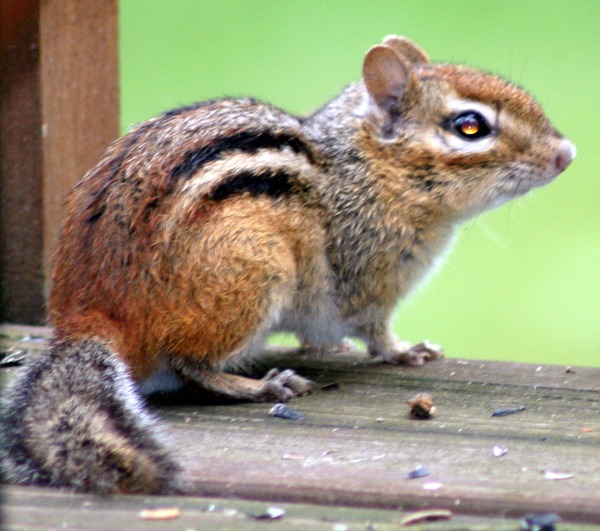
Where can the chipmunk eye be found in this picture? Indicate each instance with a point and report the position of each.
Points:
(471, 125)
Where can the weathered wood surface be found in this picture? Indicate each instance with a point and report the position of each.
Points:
(33, 508)
(357, 443)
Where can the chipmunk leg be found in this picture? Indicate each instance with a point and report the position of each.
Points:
(404, 352)
(382, 343)
(276, 385)
(229, 290)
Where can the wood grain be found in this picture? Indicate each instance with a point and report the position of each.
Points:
(80, 96)
(357, 442)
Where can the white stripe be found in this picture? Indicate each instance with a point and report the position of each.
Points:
(211, 175)
(458, 106)
(215, 172)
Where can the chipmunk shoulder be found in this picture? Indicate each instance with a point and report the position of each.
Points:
(204, 229)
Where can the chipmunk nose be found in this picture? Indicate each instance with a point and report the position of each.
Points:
(564, 155)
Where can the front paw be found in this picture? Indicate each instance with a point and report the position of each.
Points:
(409, 354)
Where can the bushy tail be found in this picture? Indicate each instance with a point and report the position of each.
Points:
(73, 419)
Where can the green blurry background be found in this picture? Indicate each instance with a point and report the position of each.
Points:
(522, 282)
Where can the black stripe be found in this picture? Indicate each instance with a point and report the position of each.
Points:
(247, 141)
(275, 184)
(97, 204)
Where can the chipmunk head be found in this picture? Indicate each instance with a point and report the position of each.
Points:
(469, 139)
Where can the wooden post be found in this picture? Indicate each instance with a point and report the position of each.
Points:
(58, 111)
(21, 231)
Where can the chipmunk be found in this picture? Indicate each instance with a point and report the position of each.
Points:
(206, 228)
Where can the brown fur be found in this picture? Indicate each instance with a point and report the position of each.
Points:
(209, 226)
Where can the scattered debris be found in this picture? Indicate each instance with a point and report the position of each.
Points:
(503, 412)
(272, 513)
(161, 513)
(419, 472)
(340, 527)
(331, 386)
(426, 516)
(12, 357)
(540, 522)
(585, 429)
(421, 406)
(432, 486)
(293, 457)
(34, 339)
(285, 412)
(556, 475)
(570, 370)
(499, 451)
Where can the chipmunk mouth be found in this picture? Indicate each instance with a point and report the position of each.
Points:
(524, 179)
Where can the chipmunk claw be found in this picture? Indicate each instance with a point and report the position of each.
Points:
(415, 355)
(284, 385)
(421, 353)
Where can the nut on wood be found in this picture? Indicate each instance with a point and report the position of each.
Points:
(421, 406)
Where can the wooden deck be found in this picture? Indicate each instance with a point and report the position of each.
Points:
(346, 462)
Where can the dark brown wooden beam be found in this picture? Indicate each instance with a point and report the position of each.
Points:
(21, 231)
(59, 108)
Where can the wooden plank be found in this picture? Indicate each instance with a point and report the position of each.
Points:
(80, 96)
(34, 508)
(357, 443)
(58, 111)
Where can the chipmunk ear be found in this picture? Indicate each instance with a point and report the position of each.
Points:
(386, 76)
(406, 49)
